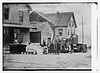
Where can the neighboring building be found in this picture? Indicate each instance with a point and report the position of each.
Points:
(64, 23)
(46, 32)
(43, 31)
(44, 28)
(16, 21)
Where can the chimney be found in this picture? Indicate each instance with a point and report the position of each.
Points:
(41, 13)
(57, 14)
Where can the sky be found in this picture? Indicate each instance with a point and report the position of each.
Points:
(80, 10)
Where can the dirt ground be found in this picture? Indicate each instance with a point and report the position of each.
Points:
(63, 60)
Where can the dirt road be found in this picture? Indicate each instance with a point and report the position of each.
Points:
(64, 60)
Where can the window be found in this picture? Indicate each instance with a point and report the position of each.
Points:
(20, 16)
(69, 24)
(68, 32)
(60, 31)
(6, 13)
(72, 24)
(74, 31)
(71, 31)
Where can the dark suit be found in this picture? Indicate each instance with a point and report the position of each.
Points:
(71, 43)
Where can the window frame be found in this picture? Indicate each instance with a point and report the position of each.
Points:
(6, 13)
(68, 32)
(60, 33)
(71, 31)
(21, 16)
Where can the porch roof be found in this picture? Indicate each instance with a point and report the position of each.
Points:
(17, 25)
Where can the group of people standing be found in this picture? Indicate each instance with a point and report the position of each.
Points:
(58, 45)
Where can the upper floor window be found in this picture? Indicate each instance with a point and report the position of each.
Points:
(6, 13)
(71, 31)
(60, 31)
(68, 32)
(71, 24)
(20, 16)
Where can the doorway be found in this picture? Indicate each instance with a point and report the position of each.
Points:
(35, 37)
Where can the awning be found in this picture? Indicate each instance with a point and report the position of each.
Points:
(20, 26)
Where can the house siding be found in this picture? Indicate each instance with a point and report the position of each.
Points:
(14, 14)
(46, 33)
(14, 18)
(67, 31)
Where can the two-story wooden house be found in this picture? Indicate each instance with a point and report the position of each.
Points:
(16, 21)
(64, 23)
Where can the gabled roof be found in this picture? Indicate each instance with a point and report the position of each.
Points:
(39, 25)
(34, 23)
(62, 20)
(34, 16)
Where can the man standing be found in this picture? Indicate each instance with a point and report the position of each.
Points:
(20, 38)
(55, 44)
(58, 44)
(44, 45)
(71, 43)
(67, 45)
(48, 46)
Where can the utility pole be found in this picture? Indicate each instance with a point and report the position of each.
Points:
(82, 32)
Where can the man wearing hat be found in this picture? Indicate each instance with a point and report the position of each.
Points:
(71, 43)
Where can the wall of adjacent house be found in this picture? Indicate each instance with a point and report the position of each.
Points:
(46, 33)
(14, 14)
